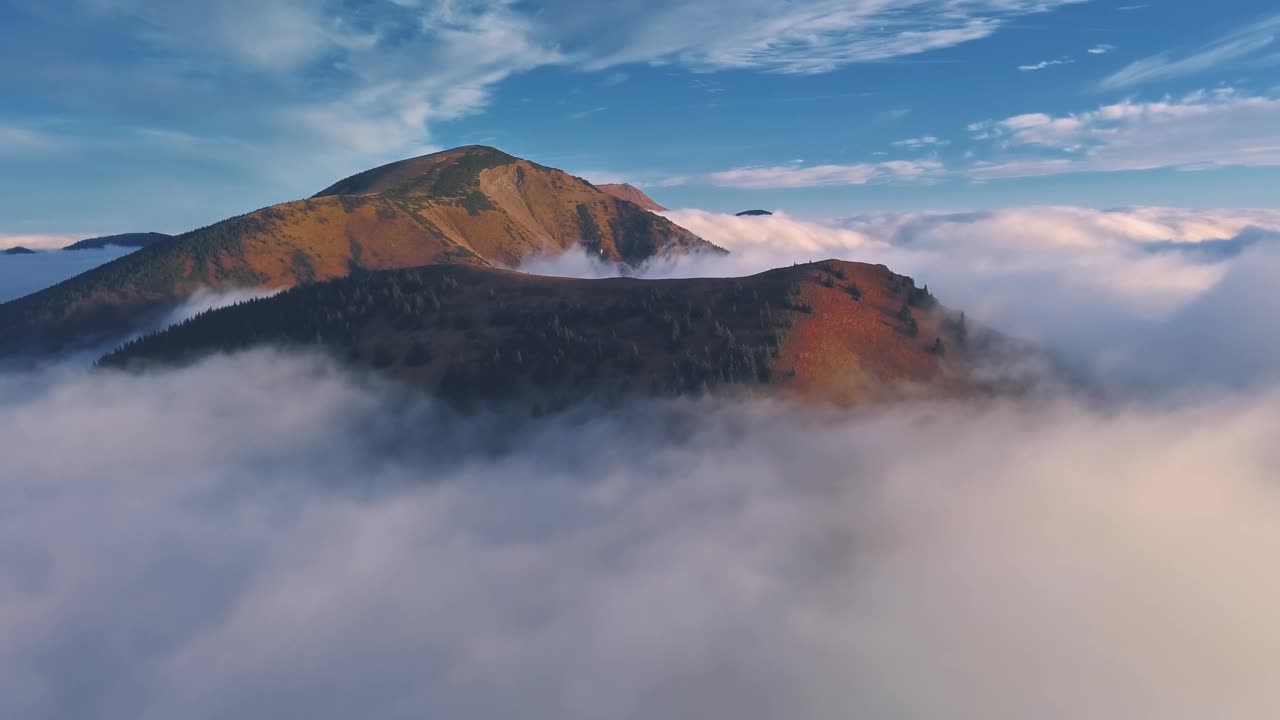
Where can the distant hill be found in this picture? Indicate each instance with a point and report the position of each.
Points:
(473, 205)
(631, 193)
(136, 240)
(834, 330)
(18, 250)
(753, 213)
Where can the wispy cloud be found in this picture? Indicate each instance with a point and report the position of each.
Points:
(1183, 133)
(1101, 49)
(17, 139)
(806, 36)
(918, 143)
(1044, 64)
(587, 113)
(1242, 45)
(793, 176)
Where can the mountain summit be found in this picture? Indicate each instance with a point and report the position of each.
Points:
(631, 193)
(472, 205)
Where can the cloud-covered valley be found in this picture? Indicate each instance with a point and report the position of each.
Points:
(267, 535)
(1130, 294)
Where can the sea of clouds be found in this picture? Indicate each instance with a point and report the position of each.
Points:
(268, 535)
(1139, 296)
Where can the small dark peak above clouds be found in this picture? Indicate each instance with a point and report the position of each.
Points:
(754, 213)
(19, 250)
(633, 194)
(133, 240)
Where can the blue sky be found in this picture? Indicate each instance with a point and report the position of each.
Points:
(130, 115)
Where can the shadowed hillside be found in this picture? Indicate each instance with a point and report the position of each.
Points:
(840, 331)
(122, 240)
(473, 205)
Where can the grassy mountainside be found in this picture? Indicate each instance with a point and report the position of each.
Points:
(506, 209)
(835, 330)
(631, 193)
(472, 205)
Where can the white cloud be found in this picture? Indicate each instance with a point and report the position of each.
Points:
(1100, 287)
(921, 142)
(808, 36)
(1186, 132)
(587, 113)
(264, 537)
(468, 50)
(1241, 45)
(276, 36)
(369, 84)
(1101, 49)
(381, 556)
(1044, 64)
(792, 176)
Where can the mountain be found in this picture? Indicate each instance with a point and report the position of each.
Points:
(18, 250)
(472, 205)
(833, 330)
(631, 193)
(135, 240)
(754, 213)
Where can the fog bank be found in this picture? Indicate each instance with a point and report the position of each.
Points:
(1128, 294)
(265, 536)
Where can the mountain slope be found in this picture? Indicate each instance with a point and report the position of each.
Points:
(506, 209)
(631, 193)
(122, 240)
(472, 205)
(834, 330)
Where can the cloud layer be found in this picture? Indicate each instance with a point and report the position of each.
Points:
(265, 536)
(1105, 289)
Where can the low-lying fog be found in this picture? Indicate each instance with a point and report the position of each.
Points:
(24, 274)
(267, 536)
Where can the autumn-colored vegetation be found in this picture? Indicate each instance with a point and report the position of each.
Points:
(844, 331)
(474, 205)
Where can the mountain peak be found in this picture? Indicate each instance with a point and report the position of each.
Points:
(631, 193)
(470, 205)
(456, 167)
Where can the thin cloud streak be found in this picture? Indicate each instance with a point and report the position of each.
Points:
(1237, 46)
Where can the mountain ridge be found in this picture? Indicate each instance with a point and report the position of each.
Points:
(135, 240)
(834, 330)
(470, 205)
